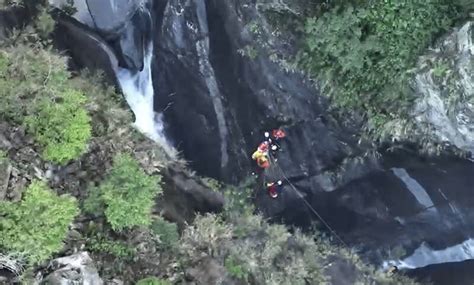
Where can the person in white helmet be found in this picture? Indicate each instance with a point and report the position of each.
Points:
(272, 140)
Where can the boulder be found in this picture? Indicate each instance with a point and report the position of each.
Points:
(124, 24)
(86, 48)
(74, 269)
(107, 16)
(185, 195)
(444, 90)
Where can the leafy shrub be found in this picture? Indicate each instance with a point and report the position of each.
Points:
(262, 255)
(28, 73)
(103, 244)
(128, 194)
(213, 184)
(62, 127)
(246, 224)
(239, 199)
(363, 53)
(44, 24)
(168, 233)
(236, 270)
(208, 233)
(153, 281)
(36, 227)
(93, 204)
(3, 156)
(106, 106)
(34, 91)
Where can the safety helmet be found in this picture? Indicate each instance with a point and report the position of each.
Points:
(264, 146)
(278, 133)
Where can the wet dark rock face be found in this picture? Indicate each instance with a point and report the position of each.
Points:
(381, 211)
(443, 274)
(124, 24)
(217, 103)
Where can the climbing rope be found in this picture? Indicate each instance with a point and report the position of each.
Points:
(273, 162)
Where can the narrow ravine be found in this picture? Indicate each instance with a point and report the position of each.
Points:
(218, 102)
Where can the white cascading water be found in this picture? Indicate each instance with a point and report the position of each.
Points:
(424, 256)
(137, 86)
(415, 188)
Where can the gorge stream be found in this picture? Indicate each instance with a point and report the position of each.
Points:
(179, 67)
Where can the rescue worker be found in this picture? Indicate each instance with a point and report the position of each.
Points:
(275, 136)
(261, 154)
(273, 188)
(264, 146)
(262, 158)
(278, 134)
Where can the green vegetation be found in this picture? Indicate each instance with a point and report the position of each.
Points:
(167, 233)
(101, 243)
(34, 91)
(62, 127)
(128, 194)
(44, 25)
(3, 156)
(235, 270)
(213, 184)
(364, 53)
(104, 104)
(269, 254)
(35, 228)
(126, 240)
(261, 254)
(440, 69)
(153, 281)
(239, 199)
(248, 51)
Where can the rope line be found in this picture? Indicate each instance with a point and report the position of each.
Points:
(308, 204)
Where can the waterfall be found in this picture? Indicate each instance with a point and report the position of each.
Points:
(137, 86)
(415, 188)
(424, 256)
